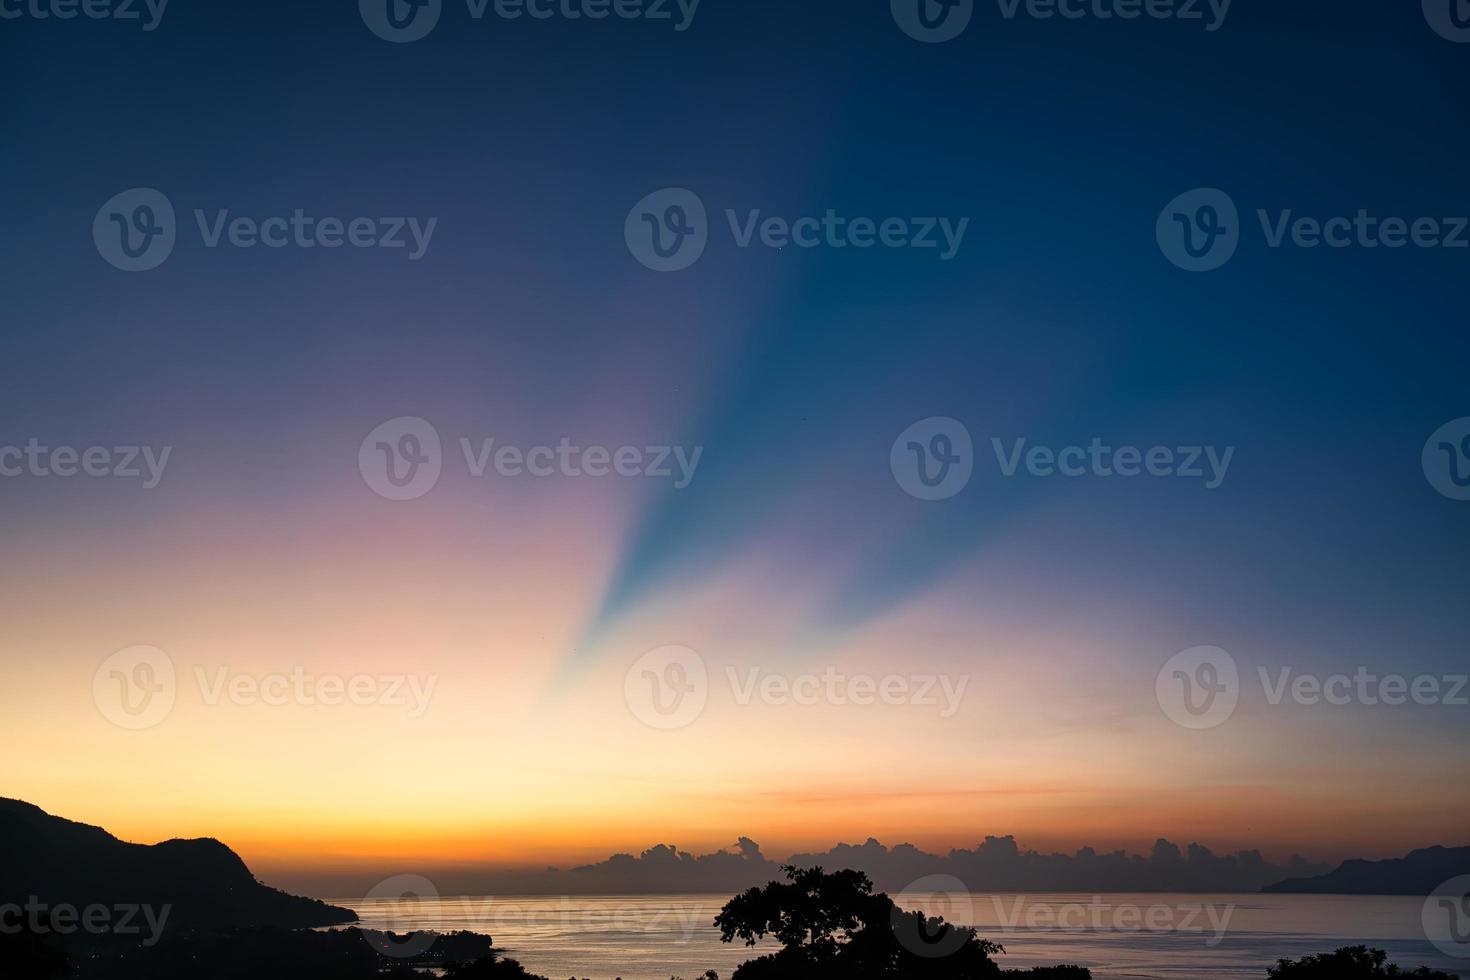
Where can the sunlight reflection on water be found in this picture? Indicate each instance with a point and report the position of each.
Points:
(1159, 937)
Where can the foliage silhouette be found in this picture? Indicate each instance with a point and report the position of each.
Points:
(832, 925)
(1349, 963)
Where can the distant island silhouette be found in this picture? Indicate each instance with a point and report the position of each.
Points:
(1419, 873)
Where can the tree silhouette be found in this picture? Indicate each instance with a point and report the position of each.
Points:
(833, 926)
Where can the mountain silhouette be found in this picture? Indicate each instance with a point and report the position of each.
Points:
(201, 882)
(1419, 873)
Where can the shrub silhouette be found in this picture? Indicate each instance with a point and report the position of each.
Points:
(1348, 963)
(490, 967)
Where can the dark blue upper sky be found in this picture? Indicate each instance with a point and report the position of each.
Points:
(1059, 319)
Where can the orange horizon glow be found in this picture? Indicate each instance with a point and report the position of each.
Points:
(528, 754)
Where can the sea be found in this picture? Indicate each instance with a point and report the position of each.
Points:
(1139, 937)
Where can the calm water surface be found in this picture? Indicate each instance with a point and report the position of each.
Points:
(1160, 937)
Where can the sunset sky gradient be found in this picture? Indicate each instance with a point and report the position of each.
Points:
(794, 549)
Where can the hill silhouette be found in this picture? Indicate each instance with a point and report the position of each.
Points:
(1418, 873)
(200, 882)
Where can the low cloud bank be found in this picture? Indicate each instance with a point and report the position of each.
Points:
(997, 864)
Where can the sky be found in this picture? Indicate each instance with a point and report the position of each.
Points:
(516, 641)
